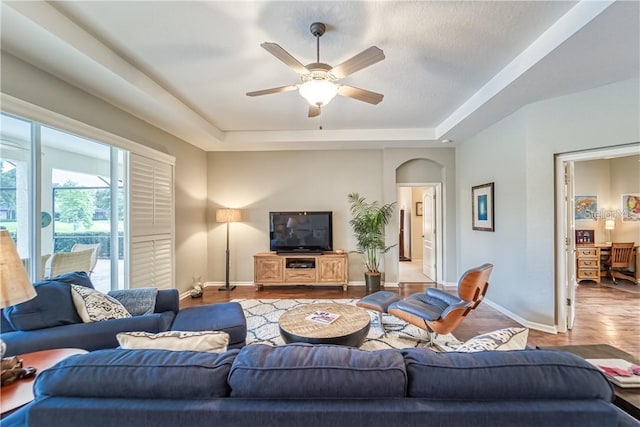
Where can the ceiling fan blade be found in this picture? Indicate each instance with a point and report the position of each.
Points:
(284, 56)
(363, 59)
(272, 90)
(360, 94)
(314, 111)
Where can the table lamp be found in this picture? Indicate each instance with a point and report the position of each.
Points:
(15, 286)
(228, 215)
(609, 224)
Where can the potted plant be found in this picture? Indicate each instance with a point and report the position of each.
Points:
(368, 222)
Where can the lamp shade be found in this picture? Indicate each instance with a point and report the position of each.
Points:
(609, 224)
(228, 215)
(318, 93)
(15, 286)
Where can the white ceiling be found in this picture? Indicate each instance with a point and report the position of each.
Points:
(451, 68)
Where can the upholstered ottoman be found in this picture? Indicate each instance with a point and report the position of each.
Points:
(379, 302)
(227, 317)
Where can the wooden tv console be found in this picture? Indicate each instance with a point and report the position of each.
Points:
(300, 269)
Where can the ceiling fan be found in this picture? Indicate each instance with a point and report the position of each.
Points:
(319, 80)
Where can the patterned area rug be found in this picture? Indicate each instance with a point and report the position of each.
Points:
(263, 314)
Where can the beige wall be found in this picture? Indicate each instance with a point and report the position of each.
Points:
(518, 155)
(260, 182)
(625, 179)
(35, 86)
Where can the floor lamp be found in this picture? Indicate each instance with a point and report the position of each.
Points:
(228, 215)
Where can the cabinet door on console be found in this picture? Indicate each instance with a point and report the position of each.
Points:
(269, 270)
(332, 269)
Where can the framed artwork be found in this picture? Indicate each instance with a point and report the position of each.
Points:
(482, 207)
(585, 237)
(586, 207)
(631, 207)
(418, 208)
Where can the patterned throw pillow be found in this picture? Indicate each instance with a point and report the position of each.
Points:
(94, 306)
(208, 341)
(502, 339)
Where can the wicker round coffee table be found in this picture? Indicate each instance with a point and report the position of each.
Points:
(350, 328)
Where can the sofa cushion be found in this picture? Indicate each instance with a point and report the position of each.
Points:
(502, 339)
(153, 374)
(226, 316)
(137, 301)
(94, 306)
(503, 375)
(53, 306)
(317, 371)
(209, 341)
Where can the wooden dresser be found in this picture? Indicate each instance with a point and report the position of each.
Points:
(587, 263)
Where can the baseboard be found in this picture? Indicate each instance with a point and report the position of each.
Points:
(221, 284)
(524, 322)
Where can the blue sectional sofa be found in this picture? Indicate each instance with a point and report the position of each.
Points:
(50, 320)
(319, 386)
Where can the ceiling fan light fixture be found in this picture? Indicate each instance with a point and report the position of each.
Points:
(319, 80)
(318, 93)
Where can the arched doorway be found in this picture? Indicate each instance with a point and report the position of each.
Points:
(419, 196)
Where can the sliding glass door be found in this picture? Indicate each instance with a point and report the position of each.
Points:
(62, 193)
(16, 175)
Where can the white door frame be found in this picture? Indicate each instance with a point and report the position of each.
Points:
(439, 226)
(563, 226)
(428, 203)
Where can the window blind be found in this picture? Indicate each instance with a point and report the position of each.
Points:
(151, 184)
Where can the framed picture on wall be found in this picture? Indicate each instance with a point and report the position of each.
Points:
(418, 208)
(482, 207)
(586, 207)
(631, 207)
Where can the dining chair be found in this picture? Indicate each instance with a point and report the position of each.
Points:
(65, 262)
(94, 256)
(43, 260)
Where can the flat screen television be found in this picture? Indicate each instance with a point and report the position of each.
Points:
(300, 232)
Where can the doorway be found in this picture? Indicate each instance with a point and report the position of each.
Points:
(607, 181)
(420, 236)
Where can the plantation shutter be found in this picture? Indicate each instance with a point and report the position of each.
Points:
(151, 221)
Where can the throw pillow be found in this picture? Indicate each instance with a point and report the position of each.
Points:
(52, 306)
(208, 341)
(139, 301)
(502, 339)
(94, 306)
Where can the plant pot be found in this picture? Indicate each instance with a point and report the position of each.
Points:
(372, 281)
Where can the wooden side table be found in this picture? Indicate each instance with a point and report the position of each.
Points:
(20, 392)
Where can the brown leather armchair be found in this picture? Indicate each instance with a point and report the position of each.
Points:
(438, 312)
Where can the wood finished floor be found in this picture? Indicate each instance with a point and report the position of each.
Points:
(603, 315)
